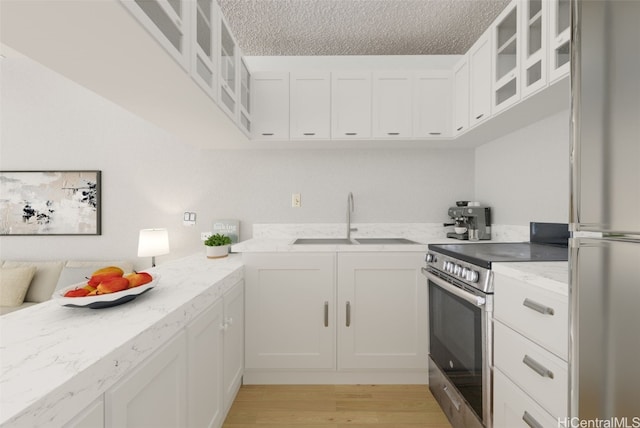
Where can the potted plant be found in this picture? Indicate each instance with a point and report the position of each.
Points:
(217, 246)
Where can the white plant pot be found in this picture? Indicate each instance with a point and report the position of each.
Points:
(217, 252)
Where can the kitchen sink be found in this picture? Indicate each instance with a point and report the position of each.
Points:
(325, 241)
(385, 241)
(345, 241)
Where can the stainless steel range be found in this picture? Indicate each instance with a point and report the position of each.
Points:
(460, 317)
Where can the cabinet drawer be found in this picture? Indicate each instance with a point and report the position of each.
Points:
(512, 408)
(538, 314)
(538, 372)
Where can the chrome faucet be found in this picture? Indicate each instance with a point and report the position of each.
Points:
(349, 211)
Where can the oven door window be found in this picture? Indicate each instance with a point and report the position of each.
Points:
(455, 334)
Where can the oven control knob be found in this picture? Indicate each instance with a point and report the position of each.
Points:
(447, 266)
(464, 273)
(430, 258)
(457, 270)
(473, 276)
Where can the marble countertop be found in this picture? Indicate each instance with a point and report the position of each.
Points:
(57, 360)
(553, 276)
(270, 245)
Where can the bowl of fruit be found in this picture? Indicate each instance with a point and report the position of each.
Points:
(108, 286)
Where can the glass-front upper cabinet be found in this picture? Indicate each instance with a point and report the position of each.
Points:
(228, 57)
(560, 23)
(165, 20)
(203, 58)
(245, 98)
(506, 33)
(534, 46)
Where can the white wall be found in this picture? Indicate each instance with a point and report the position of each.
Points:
(524, 175)
(149, 178)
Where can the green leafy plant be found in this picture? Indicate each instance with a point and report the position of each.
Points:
(217, 240)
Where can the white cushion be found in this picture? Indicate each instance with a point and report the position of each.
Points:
(44, 280)
(14, 283)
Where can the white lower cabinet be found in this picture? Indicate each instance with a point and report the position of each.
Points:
(204, 348)
(189, 381)
(155, 393)
(531, 385)
(334, 315)
(382, 314)
(290, 310)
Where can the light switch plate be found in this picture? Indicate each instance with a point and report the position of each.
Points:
(295, 200)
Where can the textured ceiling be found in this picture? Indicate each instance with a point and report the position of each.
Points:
(358, 27)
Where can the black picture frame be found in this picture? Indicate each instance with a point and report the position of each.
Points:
(64, 202)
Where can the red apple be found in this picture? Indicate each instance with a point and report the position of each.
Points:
(138, 278)
(112, 285)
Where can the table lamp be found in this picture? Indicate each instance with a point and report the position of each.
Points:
(152, 243)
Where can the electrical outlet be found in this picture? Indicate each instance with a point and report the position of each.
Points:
(205, 235)
(295, 200)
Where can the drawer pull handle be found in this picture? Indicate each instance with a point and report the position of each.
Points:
(393, 133)
(459, 129)
(479, 116)
(309, 133)
(326, 314)
(435, 133)
(453, 399)
(530, 420)
(538, 307)
(348, 322)
(537, 367)
(350, 133)
(267, 134)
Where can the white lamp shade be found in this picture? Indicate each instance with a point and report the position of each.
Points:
(153, 242)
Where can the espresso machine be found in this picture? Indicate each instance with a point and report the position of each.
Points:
(470, 222)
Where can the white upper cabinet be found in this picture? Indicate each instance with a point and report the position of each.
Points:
(560, 24)
(310, 105)
(461, 96)
(244, 119)
(270, 105)
(203, 57)
(506, 49)
(167, 21)
(392, 105)
(350, 105)
(228, 80)
(432, 107)
(535, 17)
(480, 79)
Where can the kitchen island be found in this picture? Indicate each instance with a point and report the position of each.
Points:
(57, 361)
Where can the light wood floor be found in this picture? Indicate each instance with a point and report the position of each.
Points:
(335, 406)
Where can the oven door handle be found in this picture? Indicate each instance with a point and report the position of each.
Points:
(469, 297)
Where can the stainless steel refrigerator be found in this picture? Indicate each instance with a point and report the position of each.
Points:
(605, 211)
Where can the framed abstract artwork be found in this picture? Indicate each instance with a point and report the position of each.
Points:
(50, 203)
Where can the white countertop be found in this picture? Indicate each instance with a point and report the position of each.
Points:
(553, 276)
(57, 360)
(270, 245)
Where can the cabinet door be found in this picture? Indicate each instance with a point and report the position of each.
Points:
(432, 105)
(480, 79)
(392, 105)
(167, 22)
(270, 105)
(289, 311)
(244, 119)
(228, 57)
(91, 417)
(382, 311)
(310, 106)
(461, 96)
(233, 342)
(350, 105)
(535, 17)
(560, 35)
(204, 353)
(154, 394)
(204, 57)
(506, 57)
